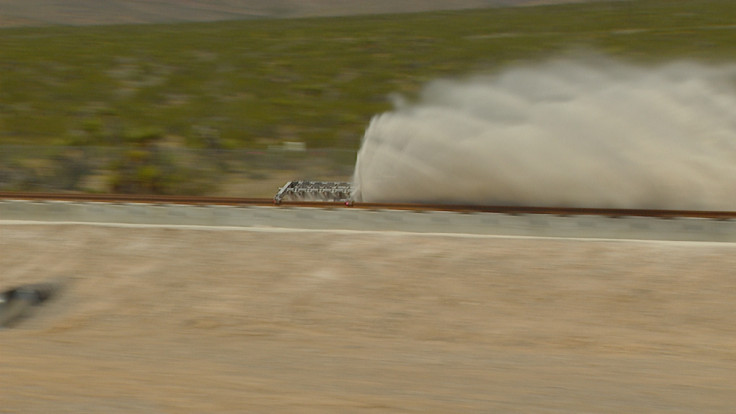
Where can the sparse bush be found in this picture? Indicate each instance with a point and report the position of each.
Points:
(323, 78)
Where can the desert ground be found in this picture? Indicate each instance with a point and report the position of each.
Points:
(185, 320)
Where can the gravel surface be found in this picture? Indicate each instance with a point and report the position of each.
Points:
(175, 320)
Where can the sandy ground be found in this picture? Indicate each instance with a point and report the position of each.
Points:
(172, 320)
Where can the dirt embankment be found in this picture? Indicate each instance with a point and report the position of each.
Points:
(167, 320)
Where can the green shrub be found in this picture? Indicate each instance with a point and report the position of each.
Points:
(324, 78)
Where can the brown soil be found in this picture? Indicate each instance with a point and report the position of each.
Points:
(175, 320)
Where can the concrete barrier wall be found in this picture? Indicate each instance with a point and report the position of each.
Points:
(532, 225)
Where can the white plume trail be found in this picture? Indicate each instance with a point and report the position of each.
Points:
(574, 133)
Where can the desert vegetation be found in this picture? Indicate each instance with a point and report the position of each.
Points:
(259, 83)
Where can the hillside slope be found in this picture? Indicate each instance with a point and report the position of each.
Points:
(91, 12)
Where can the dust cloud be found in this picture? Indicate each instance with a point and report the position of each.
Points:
(563, 132)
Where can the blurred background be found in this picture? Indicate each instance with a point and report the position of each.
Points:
(236, 98)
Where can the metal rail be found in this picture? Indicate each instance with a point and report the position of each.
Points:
(237, 201)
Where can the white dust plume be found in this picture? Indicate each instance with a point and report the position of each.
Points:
(563, 132)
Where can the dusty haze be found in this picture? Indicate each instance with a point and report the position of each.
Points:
(588, 132)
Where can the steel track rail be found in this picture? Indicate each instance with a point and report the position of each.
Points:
(238, 201)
